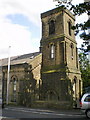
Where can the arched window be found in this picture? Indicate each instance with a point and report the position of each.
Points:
(72, 47)
(14, 81)
(52, 54)
(43, 28)
(75, 86)
(75, 79)
(14, 85)
(69, 28)
(51, 27)
(76, 57)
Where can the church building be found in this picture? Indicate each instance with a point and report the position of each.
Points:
(53, 74)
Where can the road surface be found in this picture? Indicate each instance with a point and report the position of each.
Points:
(27, 113)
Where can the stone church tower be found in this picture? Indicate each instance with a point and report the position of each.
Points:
(60, 74)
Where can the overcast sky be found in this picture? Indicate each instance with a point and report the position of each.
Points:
(20, 25)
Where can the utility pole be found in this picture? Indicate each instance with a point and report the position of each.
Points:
(8, 76)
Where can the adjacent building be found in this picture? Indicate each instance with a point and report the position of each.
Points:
(24, 76)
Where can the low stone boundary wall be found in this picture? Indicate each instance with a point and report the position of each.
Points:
(52, 104)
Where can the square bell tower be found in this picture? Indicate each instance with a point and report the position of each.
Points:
(60, 74)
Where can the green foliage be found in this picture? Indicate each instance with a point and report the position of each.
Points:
(81, 8)
(85, 69)
(78, 10)
(83, 27)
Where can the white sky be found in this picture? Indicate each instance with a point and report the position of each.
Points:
(15, 32)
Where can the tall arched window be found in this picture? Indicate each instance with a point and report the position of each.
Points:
(14, 80)
(14, 85)
(76, 57)
(75, 86)
(43, 28)
(52, 54)
(51, 27)
(72, 47)
(69, 28)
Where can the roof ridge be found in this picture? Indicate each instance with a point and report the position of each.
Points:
(29, 55)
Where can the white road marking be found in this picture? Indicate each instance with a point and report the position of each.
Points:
(29, 109)
(43, 112)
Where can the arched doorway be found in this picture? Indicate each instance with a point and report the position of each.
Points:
(51, 95)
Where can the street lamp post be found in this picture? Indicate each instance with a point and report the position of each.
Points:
(8, 76)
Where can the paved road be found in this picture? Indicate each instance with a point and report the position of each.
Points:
(26, 113)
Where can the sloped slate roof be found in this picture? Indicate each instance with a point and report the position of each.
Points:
(30, 56)
(21, 59)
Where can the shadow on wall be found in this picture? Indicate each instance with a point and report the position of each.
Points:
(27, 87)
(56, 86)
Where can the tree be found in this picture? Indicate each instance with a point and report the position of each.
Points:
(83, 27)
(27, 87)
(85, 68)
